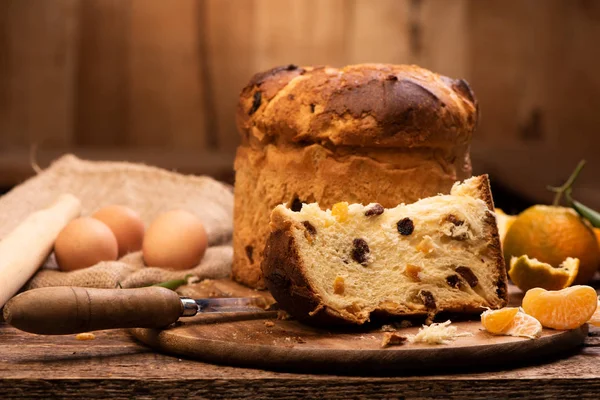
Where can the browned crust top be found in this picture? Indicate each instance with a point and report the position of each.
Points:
(366, 105)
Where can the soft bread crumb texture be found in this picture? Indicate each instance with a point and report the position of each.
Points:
(445, 258)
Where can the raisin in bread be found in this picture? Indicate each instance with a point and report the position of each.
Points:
(363, 133)
(441, 253)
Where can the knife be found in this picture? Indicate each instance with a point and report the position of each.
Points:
(66, 310)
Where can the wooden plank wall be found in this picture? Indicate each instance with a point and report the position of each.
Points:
(158, 81)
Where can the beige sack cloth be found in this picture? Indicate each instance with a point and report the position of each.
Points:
(149, 191)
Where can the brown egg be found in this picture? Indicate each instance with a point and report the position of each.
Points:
(126, 225)
(175, 240)
(84, 242)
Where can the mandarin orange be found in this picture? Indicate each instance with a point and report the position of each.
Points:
(568, 308)
(550, 234)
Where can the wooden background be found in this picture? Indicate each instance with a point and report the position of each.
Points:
(157, 81)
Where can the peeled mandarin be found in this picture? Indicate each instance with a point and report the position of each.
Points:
(126, 225)
(524, 325)
(84, 242)
(175, 240)
(568, 308)
(528, 273)
(511, 321)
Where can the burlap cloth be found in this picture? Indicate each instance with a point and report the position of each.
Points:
(149, 191)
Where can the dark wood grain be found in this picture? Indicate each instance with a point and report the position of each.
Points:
(266, 342)
(115, 366)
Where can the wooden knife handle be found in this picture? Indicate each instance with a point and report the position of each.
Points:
(66, 310)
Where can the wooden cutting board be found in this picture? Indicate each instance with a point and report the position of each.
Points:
(270, 343)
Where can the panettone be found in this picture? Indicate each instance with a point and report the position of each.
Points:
(441, 253)
(361, 134)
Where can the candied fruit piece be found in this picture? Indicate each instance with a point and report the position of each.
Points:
(340, 211)
(426, 245)
(413, 271)
(339, 285)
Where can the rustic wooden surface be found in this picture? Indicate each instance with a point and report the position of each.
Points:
(154, 77)
(115, 365)
(264, 341)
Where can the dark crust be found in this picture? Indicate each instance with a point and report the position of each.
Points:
(262, 77)
(485, 193)
(381, 105)
(284, 276)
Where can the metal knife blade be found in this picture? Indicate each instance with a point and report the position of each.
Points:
(192, 307)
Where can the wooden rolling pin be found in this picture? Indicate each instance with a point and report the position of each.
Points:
(25, 249)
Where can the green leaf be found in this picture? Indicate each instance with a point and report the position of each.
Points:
(583, 210)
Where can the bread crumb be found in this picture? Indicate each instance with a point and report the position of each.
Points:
(299, 339)
(388, 328)
(283, 315)
(269, 324)
(405, 324)
(438, 333)
(392, 339)
(85, 336)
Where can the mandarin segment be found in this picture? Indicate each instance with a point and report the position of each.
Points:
(496, 321)
(524, 325)
(595, 320)
(561, 309)
(511, 321)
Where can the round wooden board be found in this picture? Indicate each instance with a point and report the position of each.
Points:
(290, 345)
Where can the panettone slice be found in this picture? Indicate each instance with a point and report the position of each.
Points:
(440, 253)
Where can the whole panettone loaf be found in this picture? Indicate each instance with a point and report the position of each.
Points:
(361, 134)
(441, 253)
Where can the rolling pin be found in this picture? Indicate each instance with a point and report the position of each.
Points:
(25, 249)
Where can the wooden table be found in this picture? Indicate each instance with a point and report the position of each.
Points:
(115, 366)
